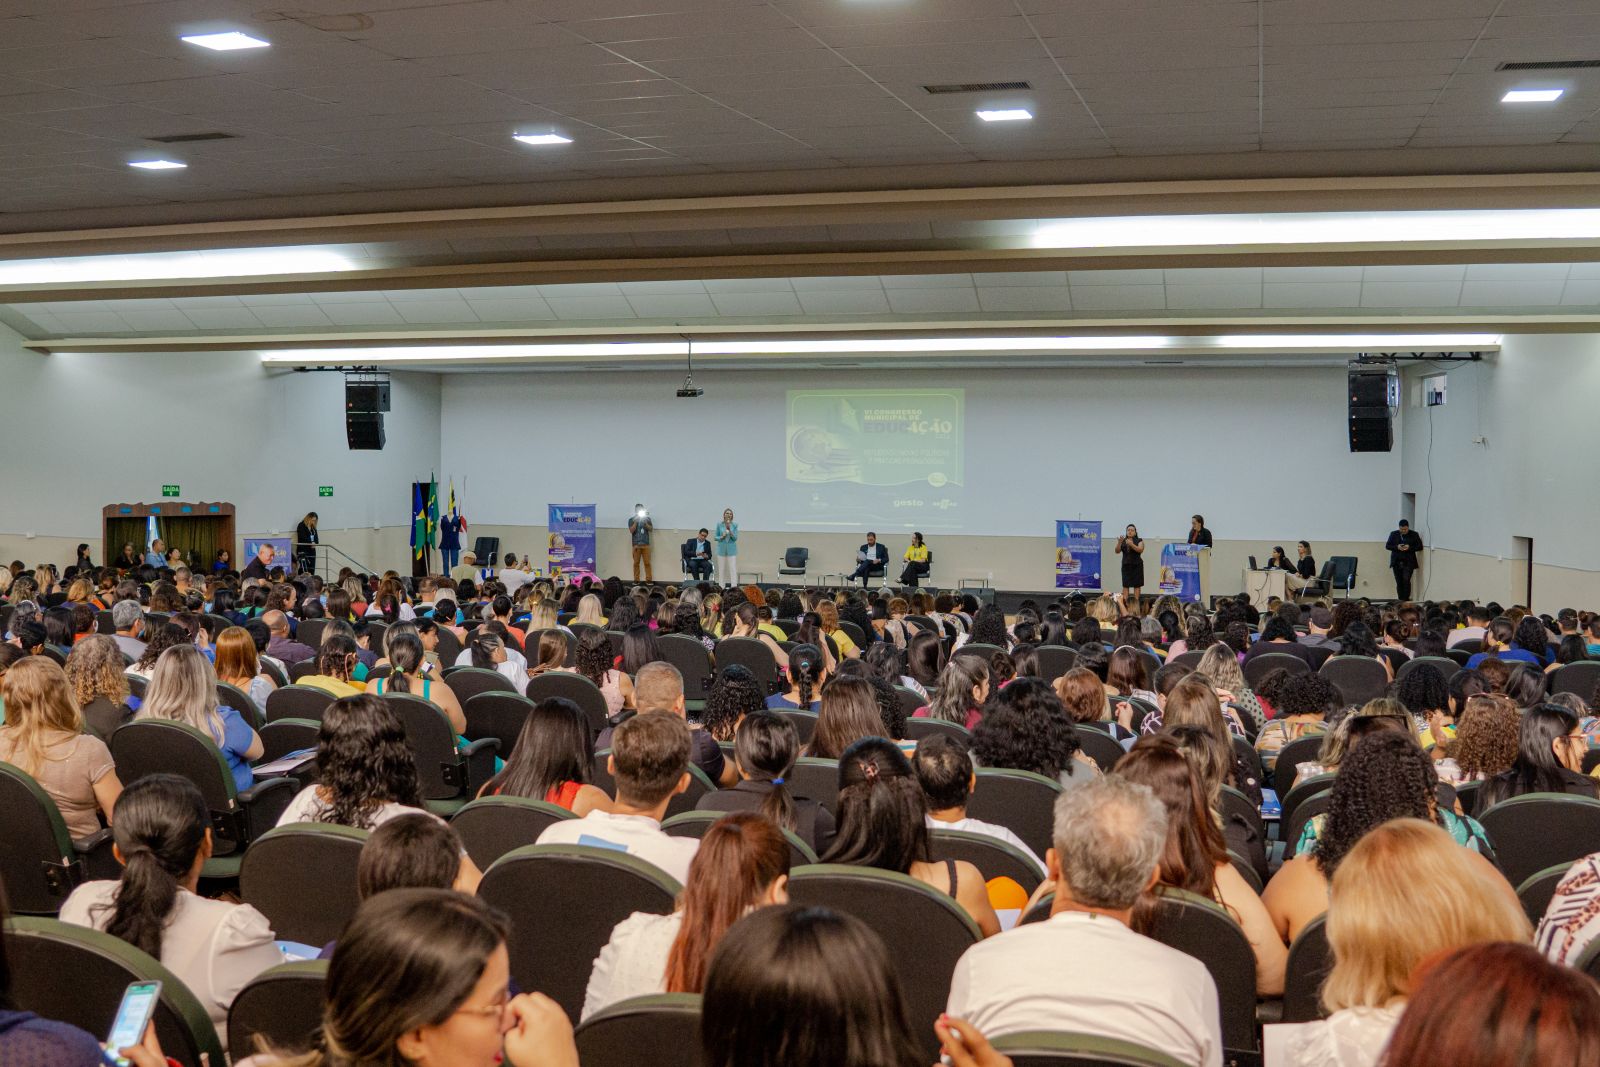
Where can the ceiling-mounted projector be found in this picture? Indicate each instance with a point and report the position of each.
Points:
(689, 391)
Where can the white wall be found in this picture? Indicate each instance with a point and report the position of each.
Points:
(85, 431)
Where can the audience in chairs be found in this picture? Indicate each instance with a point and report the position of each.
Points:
(849, 713)
(1550, 752)
(765, 748)
(1027, 728)
(742, 864)
(659, 687)
(163, 838)
(99, 686)
(43, 735)
(948, 779)
(552, 760)
(184, 689)
(367, 773)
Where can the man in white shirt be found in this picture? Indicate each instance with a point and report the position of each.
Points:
(1477, 625)
(650, 762)
(513, 575)
(1083, 970)
(945, 770)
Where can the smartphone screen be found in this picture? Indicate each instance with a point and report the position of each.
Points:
(133, 1015)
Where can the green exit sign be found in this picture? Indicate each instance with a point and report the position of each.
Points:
(324, 490)
(169, 490)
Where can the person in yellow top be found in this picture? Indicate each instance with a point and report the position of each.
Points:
(335, 664)
(917, 559)
(828, 612)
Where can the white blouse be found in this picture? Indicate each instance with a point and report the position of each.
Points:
(1350, 1037)
(634, 962)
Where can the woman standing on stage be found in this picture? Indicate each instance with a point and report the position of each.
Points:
(1131, 548)
(305, 544)
(727, 539)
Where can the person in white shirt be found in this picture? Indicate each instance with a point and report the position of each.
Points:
(944, 768)
(514, 575)
(489, 651)
(1477, 625)
(1083, 970)
(162, 833)
(742, 864)
(650, 763)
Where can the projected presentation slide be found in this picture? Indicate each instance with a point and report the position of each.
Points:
(894, 458)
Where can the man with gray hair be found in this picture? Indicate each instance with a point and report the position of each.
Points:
(128, 617)
(1083, 970)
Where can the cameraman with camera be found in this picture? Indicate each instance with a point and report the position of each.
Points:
(639, 530)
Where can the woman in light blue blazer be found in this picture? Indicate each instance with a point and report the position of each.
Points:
(727, 539)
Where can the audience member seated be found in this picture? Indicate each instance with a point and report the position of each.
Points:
(99, 686)
(1487, 740)
(1549, 758)
(883, 824)
(742, 865)
(367, 773)
(849, 712)
(1351, 726)
(734, 693)
(184, 689)
(963, 687)
(765, 748)
(945, 772)
(1403, 894)
(552, 760)
(1304, 704)
(790, 986)
(128, 618)
(1195, 857)
(282, 647)
(488, 651)
(162, 831)
(1496, 1003)
(595, 659)
(1385, 776)
(1220, 667)
(1523, 642)
(1278, 636)
(239, 666)
(1572, 919)
(407, 677)
(659, 687)
(1083, 970)
(650, 763)
(808, 672)
(165, 636)
(43, 735)
(336, 667)
(1084, 698)
(1026, 728)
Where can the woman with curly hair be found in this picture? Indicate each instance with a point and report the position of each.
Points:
(595, 659)
(165, 636)
(1027, 728)
(1487, 735)
(734, 694)
(1385, 776)
(1550, 750)
(94, 670)
(988, 628)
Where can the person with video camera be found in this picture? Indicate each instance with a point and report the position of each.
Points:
(639, 529)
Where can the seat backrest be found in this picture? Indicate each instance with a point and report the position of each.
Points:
(925, 930)
(1054, 661)
(917, 729)
(1310, 961)
(1468, 794)
(489, 827)
(1099, 746)
(282, 1005)
(1580, 678)
(909, 700)
(590, 889)
(816, 779)
(573, 687)
(692, 660)
(38, 865)
(1260, 666)
(1357, 678)
(1344, 570)
(1041, 1048)
(1200, 928)
(1300, 750)
(1308, 809)
(137, 684)
(309, 632)
(162, 746)
(1191, 658)
(695, 824)
(572, 644)
(975, 648)
(796, 558)
(1443, 664)
(441, 774)
(1539, 830)
(1304, 789)
(468, 682)
(668, 1024)
(303, 669)
(302, 877)
(1536, 892)
(804, 722)
(1021, 801)
(993, 857)
(449, 648)
(297, 702)
(498, 715)
(77, 975)
(851, 630)
(231, 696)
(752, 654)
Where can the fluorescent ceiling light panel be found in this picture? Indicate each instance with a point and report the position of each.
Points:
(1315, 228)
(158, 164)
(240, 263)
(1011, 114)
(541, 138)
(231, 41)
(887, 346)
(1532, 96)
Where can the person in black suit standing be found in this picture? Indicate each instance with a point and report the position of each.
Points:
(1198, 534)
(697, 556)
(869, 557)
(1405, 548)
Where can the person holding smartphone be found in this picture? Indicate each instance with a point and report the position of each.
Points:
(639, 529)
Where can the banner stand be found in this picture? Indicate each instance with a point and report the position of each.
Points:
(1078, 554)
(572, 541)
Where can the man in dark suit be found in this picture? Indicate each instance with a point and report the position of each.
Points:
(697, 556)
(1405, 546)
(869, 557)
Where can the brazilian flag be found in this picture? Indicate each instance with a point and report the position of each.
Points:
(419, 521)
(433, 511)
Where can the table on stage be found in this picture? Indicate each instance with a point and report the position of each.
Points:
(1263, 585)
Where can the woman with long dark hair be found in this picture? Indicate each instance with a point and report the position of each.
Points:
(407, 676)
(925, 658)
(848, 712)
(368, 774)
(963, 689)
(162, 831)
(764, 751)
(742, 865)
(808, 671)
(734, 693)
(639, 647)
(1550, 751)
(552, 760)
(883, 823)
(595, 659)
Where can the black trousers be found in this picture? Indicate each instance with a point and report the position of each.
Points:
(700, 569)
(913, 572)
(866, 570)
(1402, 581)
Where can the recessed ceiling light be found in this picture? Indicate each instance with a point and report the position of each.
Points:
(146, 266)
(541, 138)
(157, 164)
(1320, 228)
(231, 41)
(1012, 114)
(1531, 96)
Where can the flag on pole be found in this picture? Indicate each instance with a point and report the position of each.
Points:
(433, 510)
(419, 521)
(455, 510)
(152, 534)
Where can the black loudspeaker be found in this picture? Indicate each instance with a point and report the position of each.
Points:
(1373, 394)
(364, 430)
(366, 396)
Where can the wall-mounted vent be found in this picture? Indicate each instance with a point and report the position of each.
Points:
(974, 87)
(191, 138)
(1552, 64)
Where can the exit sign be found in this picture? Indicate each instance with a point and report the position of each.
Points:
(324, 490)
(169, 490)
